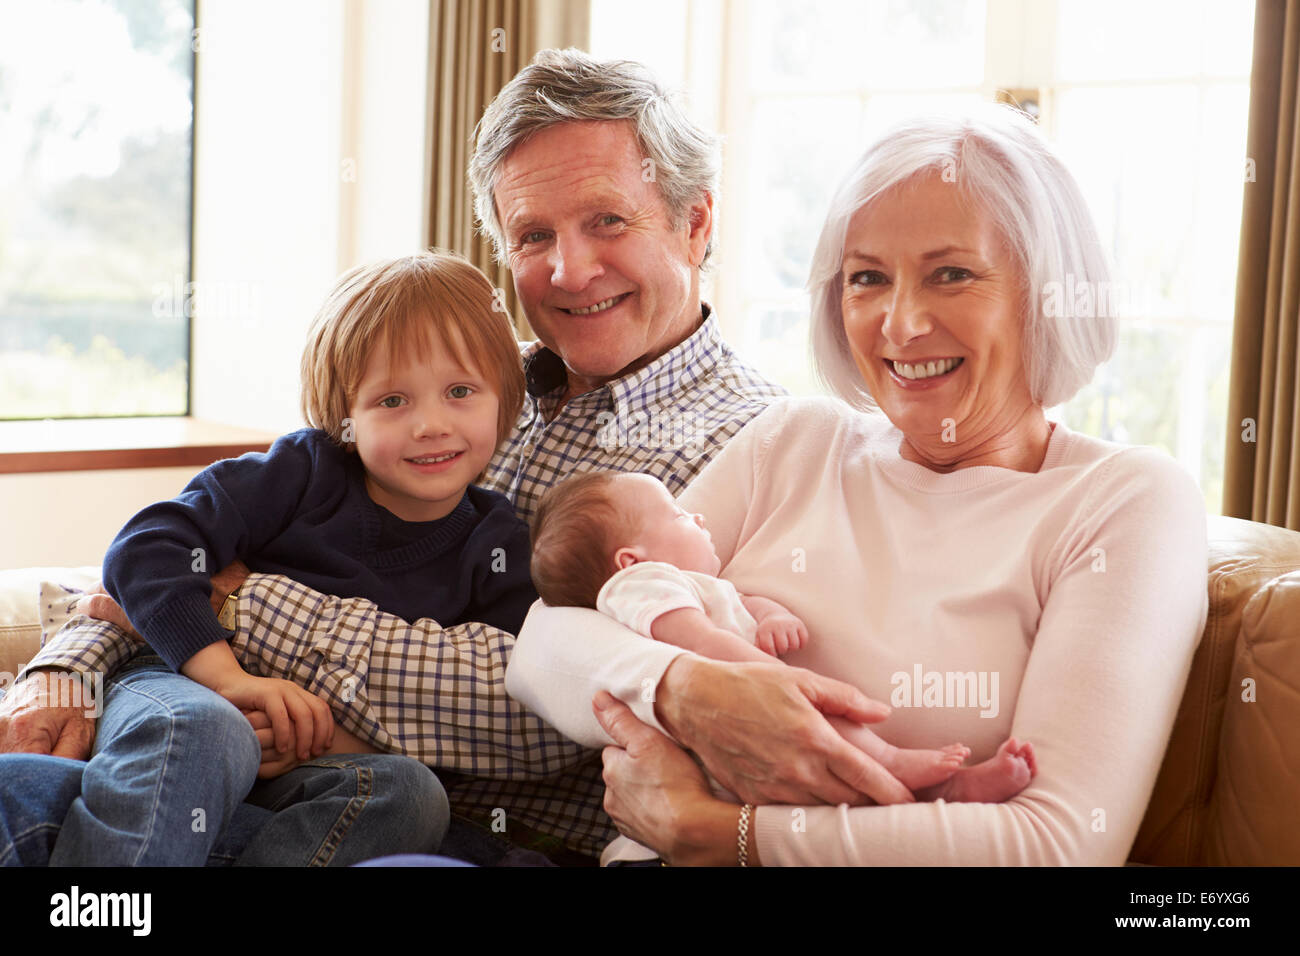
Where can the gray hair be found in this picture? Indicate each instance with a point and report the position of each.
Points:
(1000, 160)
(563, 86)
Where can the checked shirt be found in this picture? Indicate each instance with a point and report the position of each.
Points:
(438, 694)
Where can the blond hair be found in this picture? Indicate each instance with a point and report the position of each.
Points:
(405, 304)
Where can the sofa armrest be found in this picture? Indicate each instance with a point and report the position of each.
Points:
(1225, 792)
(20, 617)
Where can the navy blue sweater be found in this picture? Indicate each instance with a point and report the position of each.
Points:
(302, 510)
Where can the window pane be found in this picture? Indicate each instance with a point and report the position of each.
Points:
(852, 45)
(788, 187)
(1162, 166)
(95, 119)
(1132, 150)
(780, 347)
(1145, 99)
(887, 109)
(1108, 40)
(620, 32)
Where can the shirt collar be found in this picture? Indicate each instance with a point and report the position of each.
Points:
(693, 358)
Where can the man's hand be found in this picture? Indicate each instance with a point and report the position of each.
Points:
(31, 722)
(760, 731)
(780, 634)
(273, 762)
(226, 581)
(98, 604)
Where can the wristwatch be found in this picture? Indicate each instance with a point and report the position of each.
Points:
(228, 616)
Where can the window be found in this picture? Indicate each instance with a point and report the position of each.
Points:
(96, 113)
(1152, 122)
(1146, 100)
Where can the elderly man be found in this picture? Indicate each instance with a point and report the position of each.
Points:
(598, 192)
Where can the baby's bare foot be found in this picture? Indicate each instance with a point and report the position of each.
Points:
(925, 768)
(999, 778)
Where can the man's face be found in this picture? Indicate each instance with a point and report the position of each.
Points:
(605, 281)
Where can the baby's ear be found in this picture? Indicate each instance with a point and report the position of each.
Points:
(626, 557)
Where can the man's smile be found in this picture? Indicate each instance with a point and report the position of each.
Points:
(604, 305)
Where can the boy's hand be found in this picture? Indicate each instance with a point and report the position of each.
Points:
(301, 723)
(780, 633)
(299, 719)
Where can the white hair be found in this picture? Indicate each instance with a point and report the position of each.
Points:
(566, 86)
(997, 157)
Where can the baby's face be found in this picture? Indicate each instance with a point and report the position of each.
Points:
(667, 533)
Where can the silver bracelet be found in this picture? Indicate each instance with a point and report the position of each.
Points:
(742, 839)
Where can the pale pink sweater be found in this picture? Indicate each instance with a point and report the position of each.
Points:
(1077, 593)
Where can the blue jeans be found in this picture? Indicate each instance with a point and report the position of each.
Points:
(166, 782)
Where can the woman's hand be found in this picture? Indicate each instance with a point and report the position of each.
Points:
(657, 796)
(760, 730)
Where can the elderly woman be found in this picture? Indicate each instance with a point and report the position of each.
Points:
(989, 573)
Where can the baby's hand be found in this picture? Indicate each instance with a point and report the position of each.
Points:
(780, 633)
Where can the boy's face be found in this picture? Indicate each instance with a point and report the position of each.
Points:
(424, 432)
(667, 533)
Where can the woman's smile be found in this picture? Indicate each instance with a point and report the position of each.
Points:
(933, 306)
(923, 374)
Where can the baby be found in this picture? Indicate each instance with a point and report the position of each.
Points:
(619, 543)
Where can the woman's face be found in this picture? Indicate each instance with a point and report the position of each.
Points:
(933, 305)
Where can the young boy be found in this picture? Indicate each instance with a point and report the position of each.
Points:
(621, 544)
(411, 379)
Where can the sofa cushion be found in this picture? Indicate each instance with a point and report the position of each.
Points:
(20, 617)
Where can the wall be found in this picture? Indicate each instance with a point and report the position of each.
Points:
(68, 518)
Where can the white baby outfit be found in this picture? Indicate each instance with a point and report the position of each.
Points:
(638, 594)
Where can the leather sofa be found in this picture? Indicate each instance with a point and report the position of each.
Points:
(1228, 793)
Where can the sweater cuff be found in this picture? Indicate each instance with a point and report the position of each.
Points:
(640, 696)
(179, 631)
(771, 823)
